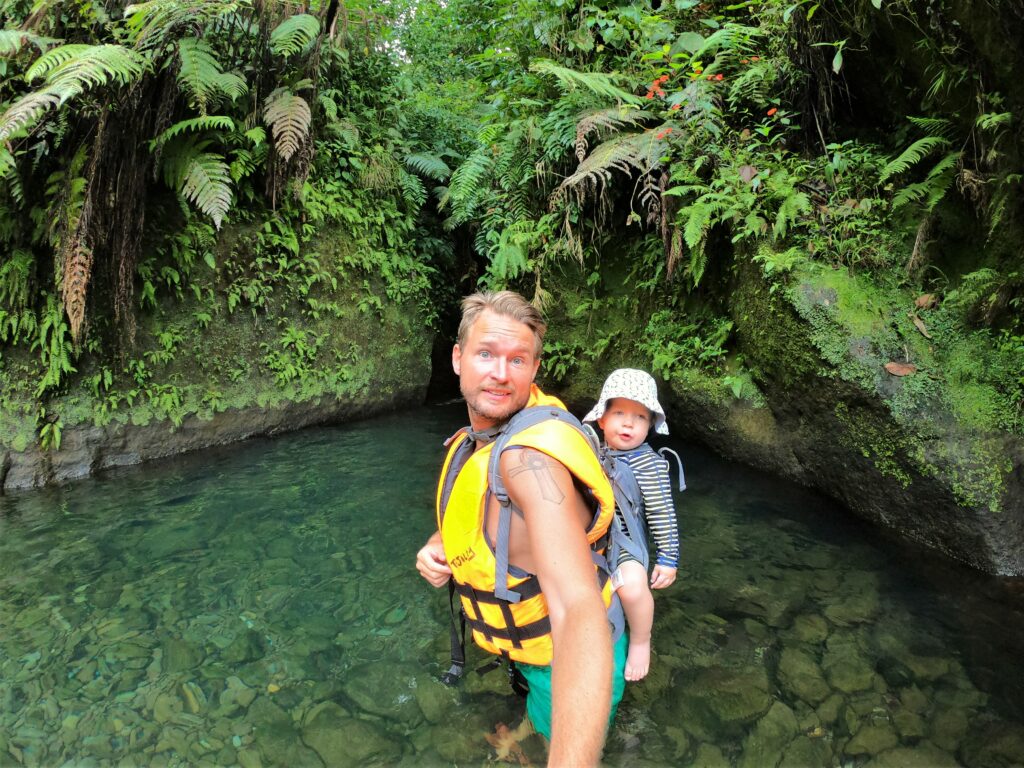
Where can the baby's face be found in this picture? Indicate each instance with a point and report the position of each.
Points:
(625, 423)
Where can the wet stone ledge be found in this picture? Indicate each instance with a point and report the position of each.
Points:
(88, 449)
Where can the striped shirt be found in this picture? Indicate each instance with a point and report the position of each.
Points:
(651, 473)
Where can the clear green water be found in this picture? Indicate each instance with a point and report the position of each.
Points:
(259, 606)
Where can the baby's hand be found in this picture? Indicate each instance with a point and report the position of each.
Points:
(662, 576)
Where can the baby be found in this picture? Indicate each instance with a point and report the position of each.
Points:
(625, 411)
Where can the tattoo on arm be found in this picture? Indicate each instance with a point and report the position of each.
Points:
(538, 465)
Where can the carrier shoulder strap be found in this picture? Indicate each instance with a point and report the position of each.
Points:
(629, 532)
(679, 464)
(526, 418)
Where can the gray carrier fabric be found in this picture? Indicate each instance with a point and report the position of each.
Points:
(526, 418)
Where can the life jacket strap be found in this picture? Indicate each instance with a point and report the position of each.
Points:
(513, 634)
(528, 589)
(458, 639)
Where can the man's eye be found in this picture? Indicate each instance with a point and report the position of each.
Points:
(518, 361)
(484, 353)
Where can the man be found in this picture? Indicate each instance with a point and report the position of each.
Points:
(560, 638)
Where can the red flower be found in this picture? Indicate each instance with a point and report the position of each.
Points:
(674, 107)
(772, 111)
(719, 77)
(664, 133)
(744, 61)
(649, 95)
(755, 58)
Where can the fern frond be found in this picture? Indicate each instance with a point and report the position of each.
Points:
(288, 116)
(610, 119)
(232, 85)
(380, 172)
(13, 41)
(25, 112)
(627, 152)
(77, 271)
(791, 207)
(413, 191)
(207, 185)
(346, 130)
(468, 178)
(934, 186)
(599, 83)
(990, 121)
(151, 23)
(431, 166)
(293, 34)
(194, 125)
(257, 135)
(199, 71)
(935, 126)
(912, 155)
(728, 37)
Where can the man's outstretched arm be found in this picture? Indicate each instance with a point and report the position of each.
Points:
(582, 666)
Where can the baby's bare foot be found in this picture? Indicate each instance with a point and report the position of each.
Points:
(638, 660)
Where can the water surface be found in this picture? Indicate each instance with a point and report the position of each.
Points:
(258, 605)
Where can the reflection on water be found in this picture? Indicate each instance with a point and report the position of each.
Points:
(259, 606)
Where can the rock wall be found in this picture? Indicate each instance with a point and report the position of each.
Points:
(230, 376)
(828, 415)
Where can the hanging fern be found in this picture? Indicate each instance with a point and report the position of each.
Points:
(431, 166)
(13, 41)
(151, 24)
(69, 71)
(912, 155)
(626, 153)
(202, 178)
(610, 119)
(194, 125)
(294, 34)
(599, 83)
(936, 126)
(200, 75)
(289, 117)
(413, 191)
(934, 186)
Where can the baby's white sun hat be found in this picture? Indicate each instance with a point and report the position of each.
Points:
(632, 384)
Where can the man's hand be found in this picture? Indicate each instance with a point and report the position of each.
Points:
(431, 562)
(662, 576)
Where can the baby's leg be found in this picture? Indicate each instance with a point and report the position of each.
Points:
(639, 607)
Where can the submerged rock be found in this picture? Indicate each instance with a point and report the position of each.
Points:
(386, 690)
(871, 740)
(723, 700)
(846, 666)
(345, 742)
(923, 755)
(767, 741)
(800, 675)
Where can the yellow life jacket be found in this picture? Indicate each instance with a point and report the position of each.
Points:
(503, 604)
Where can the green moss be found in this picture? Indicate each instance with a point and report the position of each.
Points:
(876, 443)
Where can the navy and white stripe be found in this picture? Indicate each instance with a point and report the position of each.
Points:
(651, 473)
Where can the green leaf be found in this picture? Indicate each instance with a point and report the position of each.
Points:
(293, 34)
(837, 61)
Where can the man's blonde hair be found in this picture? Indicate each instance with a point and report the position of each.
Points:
(506, 304)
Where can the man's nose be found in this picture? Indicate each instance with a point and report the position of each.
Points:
(500, 369)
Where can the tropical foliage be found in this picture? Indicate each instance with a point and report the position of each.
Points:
(650, 149)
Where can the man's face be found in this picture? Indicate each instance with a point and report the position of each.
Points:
(496, 366)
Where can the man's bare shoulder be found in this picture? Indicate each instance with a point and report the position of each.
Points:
(532, 473)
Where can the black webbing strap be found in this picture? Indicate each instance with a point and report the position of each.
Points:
(458, 639)
(529, 631)
(527, 589)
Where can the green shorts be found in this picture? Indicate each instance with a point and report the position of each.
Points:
(538, 700)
